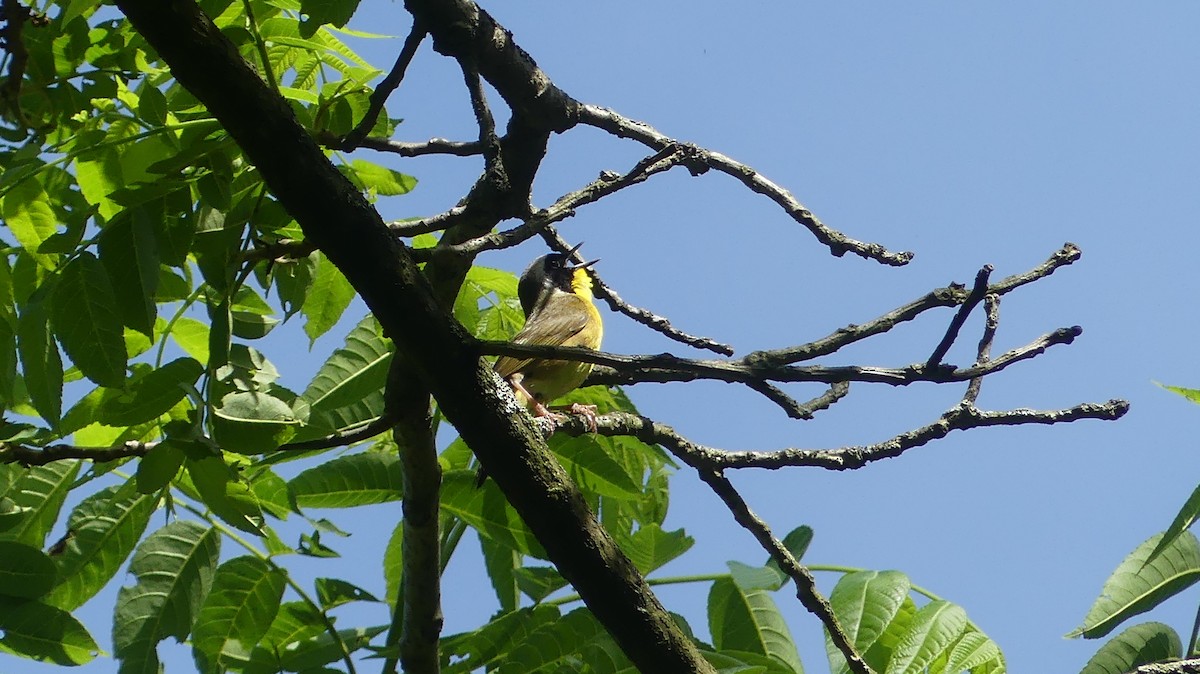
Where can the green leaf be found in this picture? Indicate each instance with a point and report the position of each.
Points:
(539, 582)
(83, 313)
(756, 577)
(105, 528)
(336, 12)
(151, 396)
(355, 371)
(236, 613)
(936, 628)
(130, 257)
(333, 592)
(497, 638)
(502, 564)
(1189, 393)
(393, 563)
(227, 496)
(192, 336)
(797, 542)
(328, 297)
(159, 466)
(650, 547)
(593, 469)
(486, 509)
(40, 491)
(152, 105)
(349, 481)
(1184, 520)
(173, 568)
(294, 622)
(1139, 584)
(1136, 646)
(380, 179)
(866, 603)
(559, 645)
(305, 655)
(749, 620)
(36, 631)
(30, 217)
(25, 571)
(250, 422)
(40, 362)
(975, 651)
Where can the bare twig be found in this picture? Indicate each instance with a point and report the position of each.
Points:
(806, 585)
(433, 223)
(665, 367)
(960, 317)
(343, 438)
(407, 149)
(283, 249)
(948, 296)
(386, 87)
(483, 116)
(839, 244)
(991, 305)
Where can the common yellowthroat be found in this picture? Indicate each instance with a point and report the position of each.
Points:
(556, 296)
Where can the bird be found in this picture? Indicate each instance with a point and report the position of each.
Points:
(556, 296)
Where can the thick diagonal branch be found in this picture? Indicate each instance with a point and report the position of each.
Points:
(338, 219)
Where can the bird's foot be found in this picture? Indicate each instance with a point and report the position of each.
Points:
(587, 411)
(555, 419)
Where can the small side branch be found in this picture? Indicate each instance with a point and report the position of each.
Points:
(839, 244)
(806, 585)
(386, 87)
(948, 296)
(343, 438)
(991, 305)
(960, 317)
(40, 456)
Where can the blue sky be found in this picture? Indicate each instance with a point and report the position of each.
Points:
(967, 133)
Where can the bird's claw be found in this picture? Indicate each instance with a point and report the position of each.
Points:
(587, 411)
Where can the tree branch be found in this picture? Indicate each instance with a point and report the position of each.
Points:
(839, 244)
(40, 456)
(806, 585)
(386, 87)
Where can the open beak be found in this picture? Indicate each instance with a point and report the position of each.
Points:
(585, 265)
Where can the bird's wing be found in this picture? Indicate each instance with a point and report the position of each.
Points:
(544, 330)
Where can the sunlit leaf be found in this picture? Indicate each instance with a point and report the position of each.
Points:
(650, 547)
(40, 492)
(348, 481)
(749, 620)
(1136, 646)
(237, 612)
(866, 603)
(1139, 584)
(933, 632)
(327, 299)
(485, 509)
(27, 212)
(104, 528)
